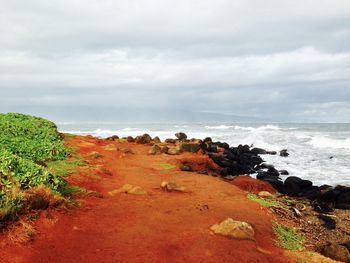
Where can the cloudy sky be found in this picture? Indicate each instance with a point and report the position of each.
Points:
(176, 60)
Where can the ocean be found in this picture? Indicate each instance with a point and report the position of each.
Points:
(318, 152)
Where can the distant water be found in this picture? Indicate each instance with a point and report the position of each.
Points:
(318, 152)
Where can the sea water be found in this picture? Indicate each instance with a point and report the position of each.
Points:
(318, 152)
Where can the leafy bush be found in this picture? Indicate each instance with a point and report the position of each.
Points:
(30, 137)
(24, 140)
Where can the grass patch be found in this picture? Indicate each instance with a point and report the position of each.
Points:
(261, 201)
(288, 237)
(71, 190)
(65, 167)
(167, 166)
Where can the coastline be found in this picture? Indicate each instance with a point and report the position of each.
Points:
(181, 217)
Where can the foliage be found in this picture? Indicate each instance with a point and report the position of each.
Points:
(25, 173)
(261, 201)
(30, 137)
(167, 166)
(288, 237)
(25, 140)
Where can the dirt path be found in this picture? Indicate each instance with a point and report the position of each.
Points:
(156, 227)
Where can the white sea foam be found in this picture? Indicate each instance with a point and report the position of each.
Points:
(326, 142)
(219, 127)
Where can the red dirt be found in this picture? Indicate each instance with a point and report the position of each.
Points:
(156, 227)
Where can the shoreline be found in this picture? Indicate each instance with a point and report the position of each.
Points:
(114, 162)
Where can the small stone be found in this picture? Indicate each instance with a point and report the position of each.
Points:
(137, 190)
(171, 186)
(186, 168)
(234, 229)
(124, 189)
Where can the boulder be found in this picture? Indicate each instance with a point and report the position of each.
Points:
(170, 140)
(181, 136)
(234, 229)
(174, 151)
(143, 139)
(189, 147)
(258, 151)
(212, 148)
(283, 172)
(336, 252)
(343, 198)
(284, 153)
(223, 145)
(130, 139)
(155, 149)
(156, 139)
(329, 222)
(164, 149)
(207, 140)
(291, 186)
(113, 138)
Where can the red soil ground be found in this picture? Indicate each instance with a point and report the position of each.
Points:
(157, 227)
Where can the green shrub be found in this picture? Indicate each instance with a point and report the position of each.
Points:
(25, 173)
(24, 140)
(30, 137)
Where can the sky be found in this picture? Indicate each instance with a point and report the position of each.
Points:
(184, 60)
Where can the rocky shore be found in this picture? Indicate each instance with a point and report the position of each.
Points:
(141, 199)
(324, 201)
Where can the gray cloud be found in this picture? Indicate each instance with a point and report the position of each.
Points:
(276, 60)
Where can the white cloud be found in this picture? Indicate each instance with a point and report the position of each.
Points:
(272, 55)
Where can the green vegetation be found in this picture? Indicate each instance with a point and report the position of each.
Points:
(26, 142)
(65, 167)
(31, 138)
(261, 201)
(288, 237)
(167, 166)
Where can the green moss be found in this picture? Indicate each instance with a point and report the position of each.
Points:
(261, 201)
(288, 237)
(167, 166)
